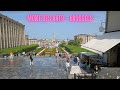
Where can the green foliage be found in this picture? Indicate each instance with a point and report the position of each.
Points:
(74, 42)
(38, 50)
(61, 45)
(75, 49)
(25, 48)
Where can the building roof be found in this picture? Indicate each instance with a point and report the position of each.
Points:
(85, 35)
(103, 43)
(11, 19)
(32, 39)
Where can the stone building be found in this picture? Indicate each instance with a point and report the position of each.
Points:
(26, 40)
(33, 41)
(83, 38)
(11, 33)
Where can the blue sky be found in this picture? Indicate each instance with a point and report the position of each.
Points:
(62, 30)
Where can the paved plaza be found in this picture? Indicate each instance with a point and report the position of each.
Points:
(43, 68)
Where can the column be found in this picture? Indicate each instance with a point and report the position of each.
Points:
(20, 35)
(0, 33)
(5, 45)
(3, 33)
(7, 34)
(22, 42)
(17, 34)
(10, 34)
(13, 35)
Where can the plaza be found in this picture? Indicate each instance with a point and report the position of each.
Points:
(43, 68)
(95, 54)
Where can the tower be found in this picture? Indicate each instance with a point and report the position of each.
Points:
(53, 36)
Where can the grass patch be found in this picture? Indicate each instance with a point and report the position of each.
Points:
(75, 49)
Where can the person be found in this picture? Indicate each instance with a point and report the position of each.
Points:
(57, 56)
(11, 58)
(67, 64)
(75, 59)
(96, 69)
(78, 60)
(60, 55)
(31, 60)
(23, 54)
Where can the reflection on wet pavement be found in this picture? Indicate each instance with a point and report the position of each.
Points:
(42, 68)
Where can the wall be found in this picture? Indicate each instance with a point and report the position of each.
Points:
(113, 21)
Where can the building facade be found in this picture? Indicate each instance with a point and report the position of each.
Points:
(113, 26)
(33, 41)
(84, 38)
(26, 40)
(11, 33)
(45, 43)
(108, 44)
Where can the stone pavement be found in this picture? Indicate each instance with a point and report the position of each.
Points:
(109, 73)
(43, 68)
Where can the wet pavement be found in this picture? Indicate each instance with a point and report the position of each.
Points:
(42, 68)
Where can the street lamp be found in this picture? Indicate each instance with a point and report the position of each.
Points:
(101, 28)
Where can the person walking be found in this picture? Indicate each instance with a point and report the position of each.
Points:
(31, 60)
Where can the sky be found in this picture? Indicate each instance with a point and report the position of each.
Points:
(62, 30)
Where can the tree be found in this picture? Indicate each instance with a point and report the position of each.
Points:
(74, 42)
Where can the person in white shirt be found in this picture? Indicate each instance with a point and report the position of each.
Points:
(78, 60)
(67, 64)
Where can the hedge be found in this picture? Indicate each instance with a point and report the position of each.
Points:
(25, 48)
